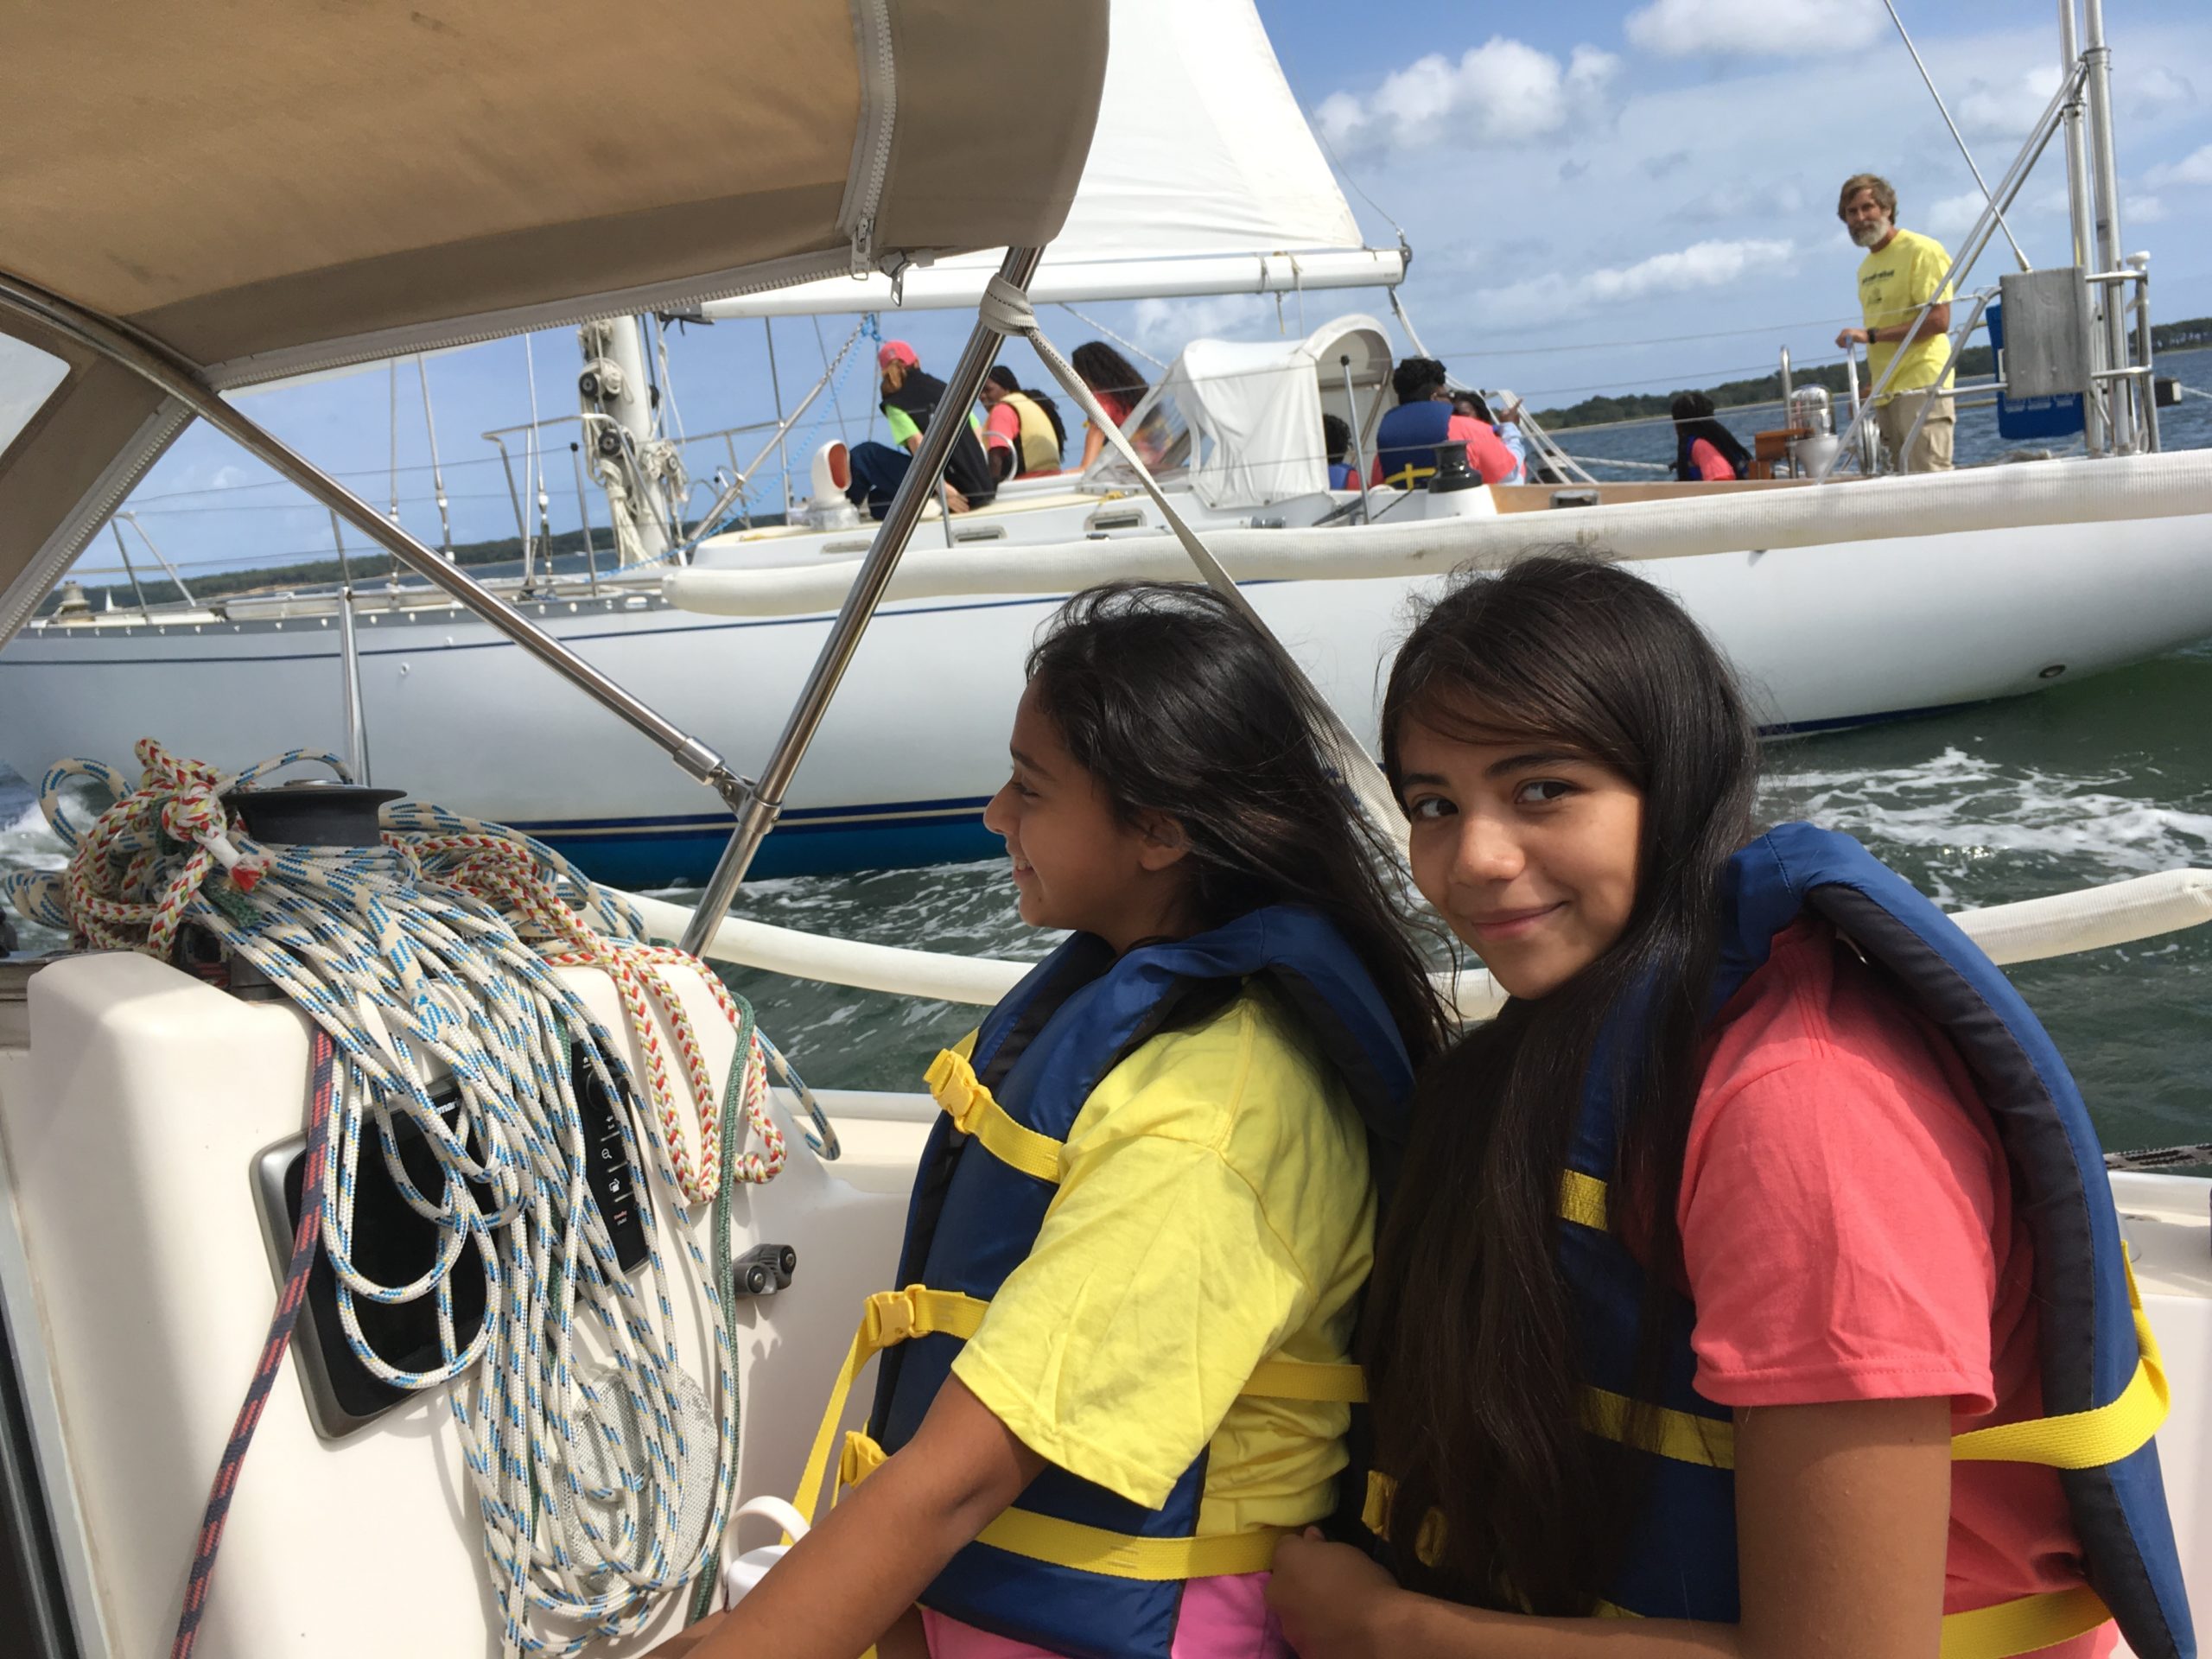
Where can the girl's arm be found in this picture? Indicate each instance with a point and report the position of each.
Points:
(1842, 1521)
(847, 1582)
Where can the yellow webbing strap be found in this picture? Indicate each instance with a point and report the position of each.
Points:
(1407, 476)
(1375, 1515)
(1681, 1435)
(2023, 1625)
(1122, 1556)
(1094, 1549)
(1582, 1199)
(890, 1316)
(954, 1085)
(2078, 1440)
(1304, 1379)
(2085, 1439)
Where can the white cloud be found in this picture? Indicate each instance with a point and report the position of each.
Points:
(1780, 29)
(2193, 168)
(1503, 91)
(2008, 109)
(1781, 199)
(1954, 213)
(1703, 265)
(2144, 92)
(2140, 210)
(1165, 327)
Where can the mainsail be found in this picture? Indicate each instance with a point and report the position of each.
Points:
(1203, 178)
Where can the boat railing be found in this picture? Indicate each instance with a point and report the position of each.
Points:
(2030, 930)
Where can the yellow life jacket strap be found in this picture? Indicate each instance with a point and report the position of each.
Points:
(1094, 1549)
(2077, 1439)
(889, 1317)
(2019, 1626)
(1343, 1383)
(2024, 1624)
(1682, 1436)
(2085, 1439)
(1407, 476)
(954, 1085)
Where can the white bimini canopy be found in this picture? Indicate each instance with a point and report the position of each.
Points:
(1244, 416)
(260, 188)
(1203, 178)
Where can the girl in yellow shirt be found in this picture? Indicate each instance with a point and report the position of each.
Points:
(1141, 1233)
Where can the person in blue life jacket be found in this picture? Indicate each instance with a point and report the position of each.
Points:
(1118, 1373)
(1407, 437)
(1336, 441)
(1706, 452)
(1753, 1287)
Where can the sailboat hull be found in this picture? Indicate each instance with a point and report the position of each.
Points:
(1825, 636)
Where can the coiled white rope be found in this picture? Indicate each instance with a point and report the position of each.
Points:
(602, 1479)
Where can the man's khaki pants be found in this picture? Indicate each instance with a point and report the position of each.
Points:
(1931, 450)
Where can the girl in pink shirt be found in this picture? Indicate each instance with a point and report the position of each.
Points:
(1812, 1169)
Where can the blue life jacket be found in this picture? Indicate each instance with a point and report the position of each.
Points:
(2103, 1392)
(1072, 1566)
(1406, 441)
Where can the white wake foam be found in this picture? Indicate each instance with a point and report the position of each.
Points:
(1979, 829)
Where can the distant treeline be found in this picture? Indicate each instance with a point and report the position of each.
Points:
(368, 568)
(1975, 359)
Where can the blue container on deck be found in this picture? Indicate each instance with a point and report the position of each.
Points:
(2031, 418)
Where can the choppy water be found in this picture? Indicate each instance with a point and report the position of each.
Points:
(2092, 781)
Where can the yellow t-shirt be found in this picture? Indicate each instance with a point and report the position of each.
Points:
(1893, 284)
(1214, 1210)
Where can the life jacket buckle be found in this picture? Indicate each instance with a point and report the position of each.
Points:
(892, 1318)
(952, 1080)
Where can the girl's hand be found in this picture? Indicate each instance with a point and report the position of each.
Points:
(1330, 1598)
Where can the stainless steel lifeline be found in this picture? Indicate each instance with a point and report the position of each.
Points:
(178, 378)
(765, 801)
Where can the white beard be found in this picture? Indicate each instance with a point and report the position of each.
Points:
(1868, 234)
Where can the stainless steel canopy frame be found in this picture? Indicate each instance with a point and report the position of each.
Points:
(764, 804)
(181, 381)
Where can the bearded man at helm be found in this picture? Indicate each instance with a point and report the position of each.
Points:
(1902, 272)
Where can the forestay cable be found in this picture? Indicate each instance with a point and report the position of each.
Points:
(602, 1469)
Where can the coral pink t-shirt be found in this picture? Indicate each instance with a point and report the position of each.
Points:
(1848, 1233)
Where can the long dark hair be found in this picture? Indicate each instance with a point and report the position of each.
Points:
(1103, 369)
(1693, 419)
(1175, 706)
(1471, 1360)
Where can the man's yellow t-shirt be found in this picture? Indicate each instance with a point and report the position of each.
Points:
(1214, 1210)
(1893, 284)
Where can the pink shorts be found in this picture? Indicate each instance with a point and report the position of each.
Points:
(1222, 1618)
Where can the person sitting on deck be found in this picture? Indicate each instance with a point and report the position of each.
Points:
(1118, 388)
(1474, 403)
(1704, 450)
(1406, 441)
(1335, 438)
(909, 398)
(1022, 434)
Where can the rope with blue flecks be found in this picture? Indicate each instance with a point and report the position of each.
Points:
(434, 951)
(272, 1351)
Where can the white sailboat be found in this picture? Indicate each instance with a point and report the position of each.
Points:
(149, 1120)
(1231, 194)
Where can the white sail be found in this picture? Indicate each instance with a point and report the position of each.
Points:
(1203, 178)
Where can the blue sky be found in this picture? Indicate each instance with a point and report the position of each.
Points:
(1600, 197)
